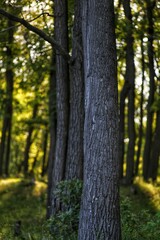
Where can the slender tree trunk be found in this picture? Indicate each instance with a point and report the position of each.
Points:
(155, 154)
(29, 141)
(76, 122)
(7, 123)
(130, 78)
(140, 131)
(99, 215)
(52, 124)
(123, 96)
(62, 88)
(149, 134)
(2, 145)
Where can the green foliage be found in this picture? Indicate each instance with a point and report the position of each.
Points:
(141, 225)
(156, 104)
(64, 225)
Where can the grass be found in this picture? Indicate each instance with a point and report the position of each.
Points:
(22, 201)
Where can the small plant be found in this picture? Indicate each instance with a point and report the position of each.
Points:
(64, 225)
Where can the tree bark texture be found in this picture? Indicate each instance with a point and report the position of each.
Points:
(62, 88)
(149, 131)
(130, 78)
(99, 215)
(76, 122)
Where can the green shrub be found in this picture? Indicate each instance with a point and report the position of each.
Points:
(138, 226)
(64, 225)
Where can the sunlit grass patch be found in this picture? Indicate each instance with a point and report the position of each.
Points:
(25, 202)
(152, 191)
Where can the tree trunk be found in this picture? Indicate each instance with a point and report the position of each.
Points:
(76, 122)
(62, 85)
(99, 215)
(130, 78)
(149, 134)
(140, 131)
(123, 96)
(29, 141)
(52, 129)
(7, 123)
(155, 154)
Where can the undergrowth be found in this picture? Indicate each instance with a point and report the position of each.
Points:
(25, 203)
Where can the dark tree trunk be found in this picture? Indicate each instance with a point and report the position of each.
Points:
(7, 122)
(52, 129)
(99, 215)
(130, 78)
(29, 141)
(155, 154)
(2, 145)
(140, 131)
(62, 89)
(149, 134)
(76, 122)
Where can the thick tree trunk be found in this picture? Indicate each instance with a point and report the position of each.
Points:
(62, 88)
(76, 123)
(99, 215)
(149, 134)
(130, 78)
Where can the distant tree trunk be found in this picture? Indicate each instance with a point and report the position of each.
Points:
(7, 122)
(45, 141)
(99, 215)
(123, 96)
(76, 123)
(62, 89)
(155, 154)
(149, 134)
(52, 130)
(130, 78)
(140, 131)
(2, 145)
(29, 141)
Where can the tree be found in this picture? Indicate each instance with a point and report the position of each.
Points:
(130, 79)
(62, 97)
(149, 130)
(99, 215)
(7, 121)
(74, 162)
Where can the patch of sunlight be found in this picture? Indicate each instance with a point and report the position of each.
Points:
(8, 181)
(39, 188)
(152, 191)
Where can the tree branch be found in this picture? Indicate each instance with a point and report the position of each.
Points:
(39, 32)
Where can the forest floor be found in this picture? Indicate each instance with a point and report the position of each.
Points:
(24, 203)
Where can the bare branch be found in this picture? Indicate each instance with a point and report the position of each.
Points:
(39, 32)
